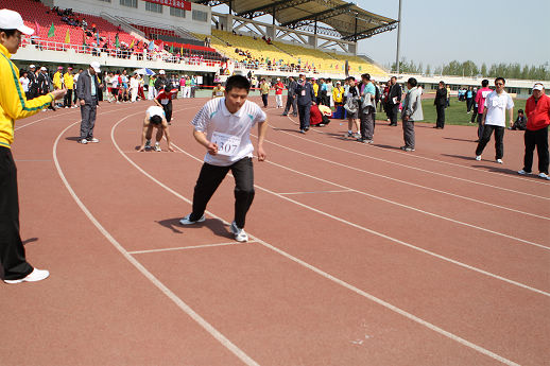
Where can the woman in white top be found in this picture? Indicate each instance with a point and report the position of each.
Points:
(25, 81)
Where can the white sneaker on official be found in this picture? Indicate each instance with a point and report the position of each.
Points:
(500, 161)
(478, 157)
(187, 221)
(240, 235)
(544, 176)
(157, 147)
(93, 139)
(35, 276)
(83, 141)
(523, 172)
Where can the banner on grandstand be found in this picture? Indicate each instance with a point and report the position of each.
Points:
(180, 4)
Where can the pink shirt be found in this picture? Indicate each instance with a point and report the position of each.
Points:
(480, 98)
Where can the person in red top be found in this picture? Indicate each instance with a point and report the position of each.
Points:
(279, 93)
(537, 110)
(164, 100)
(480, 106)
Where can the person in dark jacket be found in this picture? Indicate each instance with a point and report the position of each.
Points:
(521, 122)
(394, 99)
(291, 98)
(305, 98)
(88, 89)
(33, 84)
(440, 103)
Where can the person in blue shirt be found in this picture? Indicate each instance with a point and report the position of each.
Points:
(306, 96)
(469, 99)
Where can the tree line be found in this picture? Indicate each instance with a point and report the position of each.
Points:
(471, 69)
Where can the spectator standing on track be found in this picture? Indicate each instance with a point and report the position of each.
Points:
(448, 96)
(134, 87)
(412, 111)
(161, 81)
(164, 100)
(440, 103)
(329, 92)
(291, 98)
(305, 97)
(218, 91)
(87, 90)
(33, 84)
(494, 119)
(338, 94)
(58, 78)
(368, 110)
(279, 87)
(109, 84)
(68, 81)
(264, 90)
(223, 127)
(25, 82)
(14, 106)
(75, 81)
(353, 98)
(469, 99)
(480, 106)
(536, 134)
(155, 118)
(151, 91)
(394, 99)
(45, 84)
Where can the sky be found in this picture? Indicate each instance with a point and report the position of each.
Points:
(439, 31)
(435, 32)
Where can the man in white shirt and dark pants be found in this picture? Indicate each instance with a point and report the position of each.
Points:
(494, 119)
(223, 127)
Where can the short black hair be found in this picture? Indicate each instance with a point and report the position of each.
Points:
(156, 120)
(237, 81)
(520, 111)
(9, 32)
(442, 82)
(365, 76)
(500, 78)
(484, 83)
(412, 82)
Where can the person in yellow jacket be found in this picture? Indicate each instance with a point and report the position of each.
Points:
(338, 94)
(13, 106)
(315, 89)
(57, 78)
(68, 81)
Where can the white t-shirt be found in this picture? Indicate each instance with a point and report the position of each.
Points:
(155, 111)
(496, 108)
(230, 131)
(24, 83)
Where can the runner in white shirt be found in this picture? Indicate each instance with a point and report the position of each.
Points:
(154, 118)
(494, 119)
(223, 127)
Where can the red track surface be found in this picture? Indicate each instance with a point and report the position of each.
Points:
(359, 255)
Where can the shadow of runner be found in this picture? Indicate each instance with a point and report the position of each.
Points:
(216, 226)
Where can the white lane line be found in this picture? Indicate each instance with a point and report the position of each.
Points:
(408, 183)
(190, 247)
(315, 192)
(322, 273)
(38, 120)
(421, 157)
(348, 189)
(155, 281)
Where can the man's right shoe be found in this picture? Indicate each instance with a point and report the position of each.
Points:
(35, 276)
(544, 176)
(523, 172)
(240, 235)
(187, 221)
(478, 157)
(83, 141)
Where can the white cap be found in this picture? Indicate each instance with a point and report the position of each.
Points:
(95, 65)
(538, 86)
(162, 72)
(10, 19)
(32, 67)
(43, 69)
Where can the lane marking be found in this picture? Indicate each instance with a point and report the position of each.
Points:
(322, 273)
(190, 247)
(155, 281)
(279, 129)
(315, 192)
(407, 183)
(348, 189)
(31, 160)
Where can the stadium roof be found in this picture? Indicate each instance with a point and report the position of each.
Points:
(348, 19)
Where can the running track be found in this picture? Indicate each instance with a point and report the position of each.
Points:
(359, 255)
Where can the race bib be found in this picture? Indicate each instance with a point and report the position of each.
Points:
(303, 93)
(227, 144)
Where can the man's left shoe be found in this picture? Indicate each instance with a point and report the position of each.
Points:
(157, 147)
(35, 276)
(544, 176)
(499, 161)
(240, 234)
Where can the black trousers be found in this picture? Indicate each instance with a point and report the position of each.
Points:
(211, 177)
(291, 102)
(538, 138)
(12, 252)
(499, 137)
(68, 98)
(88, 113)
(393, 111)
(440, 110)
(264, 99)
(304, 113)
(168, 111)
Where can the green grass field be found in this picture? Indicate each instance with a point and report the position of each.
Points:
(456, 113)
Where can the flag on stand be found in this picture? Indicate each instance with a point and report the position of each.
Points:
(117, 42)
(83, 38)
(98, 39)
(151, 46)
(36, 28)
(67, 37)
(132, 44)
(172, 48)
(51, 32)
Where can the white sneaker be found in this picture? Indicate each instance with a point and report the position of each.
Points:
(186, 221)
(240, 235)
(544, 176)
(94, 140)
(478, 157)
(35, 276)
(83, 141)
(523, 172)
(157, 147)
(500, 161)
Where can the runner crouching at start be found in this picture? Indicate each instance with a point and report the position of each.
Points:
(154, 118)
(223, 127)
